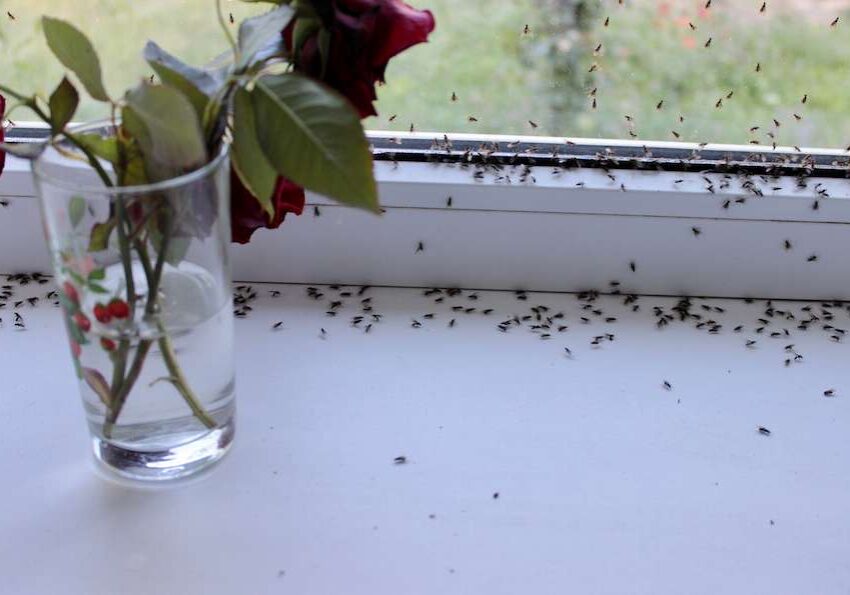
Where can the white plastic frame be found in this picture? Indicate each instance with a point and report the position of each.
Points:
(568, 230)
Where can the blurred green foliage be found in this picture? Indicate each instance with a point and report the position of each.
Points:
(513, 62)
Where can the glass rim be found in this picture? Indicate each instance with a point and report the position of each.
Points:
(38, 170)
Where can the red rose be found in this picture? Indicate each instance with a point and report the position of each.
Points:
(107, 344)
(364, 35)
(246, 214)
(2, 113)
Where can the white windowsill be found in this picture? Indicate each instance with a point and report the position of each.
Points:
(568, 231)
(607, 482)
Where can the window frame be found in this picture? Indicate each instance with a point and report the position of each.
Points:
(570, 186)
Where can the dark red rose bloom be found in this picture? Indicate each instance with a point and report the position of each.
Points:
(2, 114)
(364, 35)
(246, 214)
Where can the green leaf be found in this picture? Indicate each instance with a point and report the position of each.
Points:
(103, 147)
(196, 84)
(23, 150)
(167, 129)
(76, 53)
(99, 385)
(63, 104)
(100, 232)
(313, 136)
(133, 171)
(76, 210)
(135, 127)
(178, 247)
(97, 275)
(96, 288)
(257, 33)
(304, 28)
(324, 40)
(251, 164)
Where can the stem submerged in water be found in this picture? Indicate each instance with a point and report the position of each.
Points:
(179, 382)
(125, 384)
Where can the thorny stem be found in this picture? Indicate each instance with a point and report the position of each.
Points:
(134, 235)
(15, 94)
(119, 382)
(119, 366)
(120, 363)
(126, 386)
(177, 379)
(92, 160)
(211, 117)
(153, 284)
(180, 383)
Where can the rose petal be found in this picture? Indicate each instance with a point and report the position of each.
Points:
(247, 215)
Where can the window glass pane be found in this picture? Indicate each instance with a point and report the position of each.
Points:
(514, 64)
(636, 69)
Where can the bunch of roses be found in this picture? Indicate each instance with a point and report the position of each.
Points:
(363, 36)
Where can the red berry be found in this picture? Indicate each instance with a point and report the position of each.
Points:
(119, 309)
(107, 344)
(76, 350)
(71, 292)
(82, 321)
(101, 312)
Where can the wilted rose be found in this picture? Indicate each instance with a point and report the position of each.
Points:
(364, 35)
(246, 214)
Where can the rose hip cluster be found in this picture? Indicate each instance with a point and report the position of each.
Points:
(115, 310)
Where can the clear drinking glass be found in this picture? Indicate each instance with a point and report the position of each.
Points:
(143, 276)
